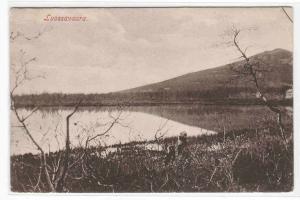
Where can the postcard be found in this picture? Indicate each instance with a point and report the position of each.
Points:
(151, 99)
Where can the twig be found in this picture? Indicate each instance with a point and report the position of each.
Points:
(291, 20)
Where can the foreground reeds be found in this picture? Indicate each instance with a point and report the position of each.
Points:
(247, 160)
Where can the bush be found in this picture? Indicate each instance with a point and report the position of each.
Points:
(268, 163)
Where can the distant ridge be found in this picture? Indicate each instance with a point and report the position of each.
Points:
(211, 86)
(278, 61)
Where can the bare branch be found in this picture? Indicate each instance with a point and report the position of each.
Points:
(291, 20)
(253, 73)
(43, 157)
(21, 77)
(61, 178)
(115, 121)
(31, 113)
(158, 134)
(15, 35)
(236, 33)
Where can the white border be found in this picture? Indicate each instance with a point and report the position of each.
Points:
(148, 3)
(4, 101)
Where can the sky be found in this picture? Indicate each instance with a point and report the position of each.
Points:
(120, 48)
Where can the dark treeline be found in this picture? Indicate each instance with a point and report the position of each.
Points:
(216, 96)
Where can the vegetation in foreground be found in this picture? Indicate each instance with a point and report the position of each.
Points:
(239, 161)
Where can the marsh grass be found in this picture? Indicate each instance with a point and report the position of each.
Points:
(238, 161)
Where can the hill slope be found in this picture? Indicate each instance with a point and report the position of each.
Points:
(212, 86)
(277, 63)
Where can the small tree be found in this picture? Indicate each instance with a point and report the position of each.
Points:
(251, 70)
(21, 76)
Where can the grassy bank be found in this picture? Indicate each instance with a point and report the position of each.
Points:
(245, 160)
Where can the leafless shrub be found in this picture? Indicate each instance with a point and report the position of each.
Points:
(252, 72)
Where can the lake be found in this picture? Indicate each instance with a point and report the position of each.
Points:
(136, 123)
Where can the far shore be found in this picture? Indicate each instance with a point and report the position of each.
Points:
(223, 102)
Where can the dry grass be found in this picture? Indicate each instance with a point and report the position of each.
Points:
(245, 161)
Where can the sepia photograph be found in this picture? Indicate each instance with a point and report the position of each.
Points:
(151, 99)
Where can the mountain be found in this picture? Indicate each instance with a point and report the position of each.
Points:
(220, 82)
(218, 85)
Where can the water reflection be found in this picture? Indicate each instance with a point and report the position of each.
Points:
(49, 127)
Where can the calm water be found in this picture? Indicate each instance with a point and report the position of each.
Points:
(48, 126)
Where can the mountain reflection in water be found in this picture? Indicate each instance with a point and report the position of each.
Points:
(48, 128)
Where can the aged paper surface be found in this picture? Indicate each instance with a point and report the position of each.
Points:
(151, 99)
